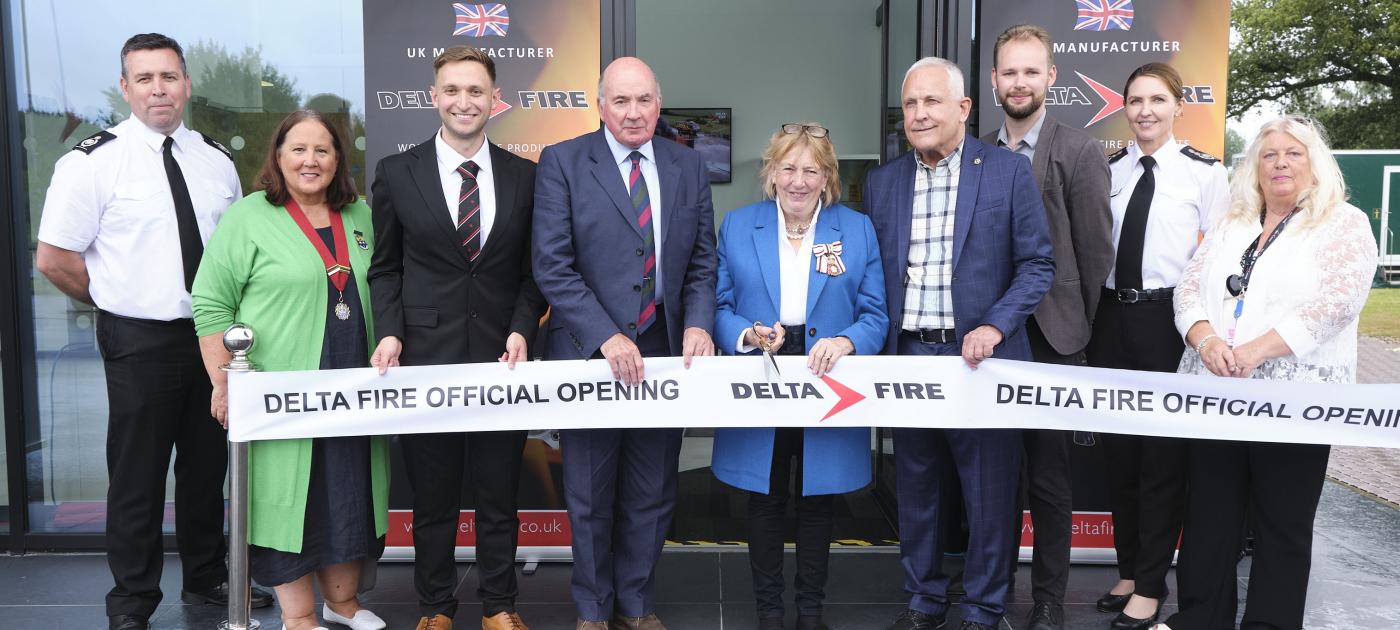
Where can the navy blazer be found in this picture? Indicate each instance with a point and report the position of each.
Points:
(588, 247)
(1002, 259)
(850, 305)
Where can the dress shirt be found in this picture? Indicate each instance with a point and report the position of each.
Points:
(1188, 197)
(928, 285)
(623, 156)
(1027, 144)
(113, 205)
(794, 273)
(448, 161)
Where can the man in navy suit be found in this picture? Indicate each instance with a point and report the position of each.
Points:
(624, 252)
(967, 257)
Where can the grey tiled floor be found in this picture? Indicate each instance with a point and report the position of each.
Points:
(1356, 566)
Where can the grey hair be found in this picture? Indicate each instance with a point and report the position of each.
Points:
(655, 81)
(956, 85)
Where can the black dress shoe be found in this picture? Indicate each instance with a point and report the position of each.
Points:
(1124, 622)
(770, 623)
(1112, 603)
(127, 622)
(912, 619)
(218, 596)
(811, 622)
(1046, 616)
(973, 625)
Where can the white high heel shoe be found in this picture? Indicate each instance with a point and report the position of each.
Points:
(363, 619)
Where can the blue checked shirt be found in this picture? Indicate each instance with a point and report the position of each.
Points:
(928, 283)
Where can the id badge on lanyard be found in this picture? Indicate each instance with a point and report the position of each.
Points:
(1234, 321)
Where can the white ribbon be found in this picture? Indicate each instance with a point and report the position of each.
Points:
(829, 258)
(862, 391)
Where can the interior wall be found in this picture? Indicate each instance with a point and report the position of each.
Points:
(772, 62)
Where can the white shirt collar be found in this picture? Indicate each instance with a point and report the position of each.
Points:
(1169, 150)
(150, 137)
(449, 159)
(621, 153)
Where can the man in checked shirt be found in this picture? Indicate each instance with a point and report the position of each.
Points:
(967, 257)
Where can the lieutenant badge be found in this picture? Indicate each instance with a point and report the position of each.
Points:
(828, 257)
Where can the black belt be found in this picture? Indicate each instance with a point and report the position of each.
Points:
(932, 335)
(1133, 296)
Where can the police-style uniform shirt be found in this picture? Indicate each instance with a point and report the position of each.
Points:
(448, 161)
(1190, 194)
(110, 200)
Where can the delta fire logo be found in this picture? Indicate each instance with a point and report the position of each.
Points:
(845, 396)
(1110, 101)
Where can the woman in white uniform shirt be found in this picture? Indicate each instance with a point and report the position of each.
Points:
(1163, 196)
(1304, 258)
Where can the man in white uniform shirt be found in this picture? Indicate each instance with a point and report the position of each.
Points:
(125, 220)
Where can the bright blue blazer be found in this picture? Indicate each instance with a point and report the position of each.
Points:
(850, 305)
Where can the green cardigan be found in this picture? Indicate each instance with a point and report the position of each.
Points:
(259, 269)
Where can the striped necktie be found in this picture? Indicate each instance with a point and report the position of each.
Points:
(641, 202)
(469, 211)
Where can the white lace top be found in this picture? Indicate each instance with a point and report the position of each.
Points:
(1309, 286)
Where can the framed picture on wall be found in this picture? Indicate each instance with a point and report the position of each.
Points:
(707, 130)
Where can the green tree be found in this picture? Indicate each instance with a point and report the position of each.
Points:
(1336, 61)
(1234, 144)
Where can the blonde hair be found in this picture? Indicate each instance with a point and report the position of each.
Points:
(783, 144)
(1327, 192)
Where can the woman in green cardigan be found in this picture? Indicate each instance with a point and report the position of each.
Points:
(289, 262)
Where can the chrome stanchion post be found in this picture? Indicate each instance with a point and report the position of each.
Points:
(238, 339)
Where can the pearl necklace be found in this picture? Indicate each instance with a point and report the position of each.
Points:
(799, 231)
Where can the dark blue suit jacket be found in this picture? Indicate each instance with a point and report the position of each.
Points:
(1002, 258)
(588, 249)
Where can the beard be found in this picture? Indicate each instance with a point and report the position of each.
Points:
(1023, 111)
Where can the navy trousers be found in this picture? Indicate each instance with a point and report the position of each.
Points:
(988, 462)
(620, 488)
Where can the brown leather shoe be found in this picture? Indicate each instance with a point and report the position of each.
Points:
(590, 625)
(649, 622)
(503, 621)
(436, 622)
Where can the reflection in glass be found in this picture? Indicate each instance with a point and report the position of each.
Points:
(247, 72)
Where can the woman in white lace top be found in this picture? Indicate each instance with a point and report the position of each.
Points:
(1273, 293)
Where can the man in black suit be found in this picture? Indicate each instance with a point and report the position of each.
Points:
(451, 283)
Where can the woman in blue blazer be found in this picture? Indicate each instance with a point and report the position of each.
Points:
(801, 274)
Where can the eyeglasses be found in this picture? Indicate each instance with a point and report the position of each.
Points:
(816, 131)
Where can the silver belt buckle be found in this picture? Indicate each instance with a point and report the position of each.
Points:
(1124, 293)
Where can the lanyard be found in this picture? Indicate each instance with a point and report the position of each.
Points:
(1238, 284)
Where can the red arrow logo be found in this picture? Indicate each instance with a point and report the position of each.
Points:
(846, 396)
(501, 107)
(1112, 101)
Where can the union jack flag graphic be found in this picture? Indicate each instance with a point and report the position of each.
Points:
(1102, 15)
(481, 20)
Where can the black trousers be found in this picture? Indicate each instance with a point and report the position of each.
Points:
(1277, 486)
(1047, 490)
(435, 463)
(158, 400)
(767, 526)
(1146, 475)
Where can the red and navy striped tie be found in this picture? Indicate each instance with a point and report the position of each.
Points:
(641, 202)
(469, 211)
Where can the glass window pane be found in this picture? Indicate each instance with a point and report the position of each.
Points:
(250, 64)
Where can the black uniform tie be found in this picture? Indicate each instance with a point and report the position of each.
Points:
(191, 246)
(1127, 272)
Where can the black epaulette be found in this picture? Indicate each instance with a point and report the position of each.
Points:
(1117, 155)
(215, 143)
(1197, 154)
(90, 143)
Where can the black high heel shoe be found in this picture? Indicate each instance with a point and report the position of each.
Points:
(1112, 603)
(1124, 622)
